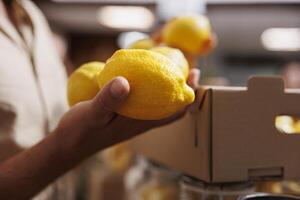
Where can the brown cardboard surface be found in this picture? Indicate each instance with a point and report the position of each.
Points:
(230, 135)
(256, 145)
(175, 146)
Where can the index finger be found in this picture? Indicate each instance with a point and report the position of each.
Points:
(194, 77)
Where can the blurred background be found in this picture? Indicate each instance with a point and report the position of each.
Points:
(254, 36)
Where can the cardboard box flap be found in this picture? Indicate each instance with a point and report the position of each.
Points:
(244, 138)
(266, 85)
(201, 95)
(230, 134)
(179, 145)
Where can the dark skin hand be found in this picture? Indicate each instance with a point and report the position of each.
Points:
(86, 128)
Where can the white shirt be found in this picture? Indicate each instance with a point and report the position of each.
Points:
(32, 91)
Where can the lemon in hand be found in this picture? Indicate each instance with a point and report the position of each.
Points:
(82, 84)
(191, 34)
(176, 56)
(157, 86)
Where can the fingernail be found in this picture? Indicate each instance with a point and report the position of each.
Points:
(118, 88)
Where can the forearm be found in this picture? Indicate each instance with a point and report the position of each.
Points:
(27, 173)
(85, 129)
(81, 132)
(8, 148)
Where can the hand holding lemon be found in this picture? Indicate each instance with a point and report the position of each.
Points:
(119, 109)
(157, 84)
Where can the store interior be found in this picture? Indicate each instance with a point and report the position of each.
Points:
(251, 38)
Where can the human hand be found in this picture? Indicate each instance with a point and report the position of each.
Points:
(95, 125)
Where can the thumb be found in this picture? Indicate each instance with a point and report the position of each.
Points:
(109, 99)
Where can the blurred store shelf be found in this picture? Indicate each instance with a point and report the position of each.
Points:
(127, 2)
(253, 1)
(239, 27)
(252, 34)
(85, 16)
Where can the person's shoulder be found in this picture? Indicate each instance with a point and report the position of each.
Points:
(28, 4)
(35, 13)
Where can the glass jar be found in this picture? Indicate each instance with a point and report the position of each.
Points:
(147, 181)
(193, 189)
(105, 173)
(270, 186)
(136, 176)
(279, 187)
(266, 196)
(101, 181)
(291, 187)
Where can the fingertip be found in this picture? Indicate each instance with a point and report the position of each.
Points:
(120, 87)
(194, 77)
(195, 72)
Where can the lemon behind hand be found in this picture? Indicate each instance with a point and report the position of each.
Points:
(176, 56)
(82, 84)
(157, 86)
(146, 43)
(191, 34)
(118, 157)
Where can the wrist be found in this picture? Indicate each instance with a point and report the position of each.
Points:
(79, 140)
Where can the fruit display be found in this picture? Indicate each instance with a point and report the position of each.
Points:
(191, 34)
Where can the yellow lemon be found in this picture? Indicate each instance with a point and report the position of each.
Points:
(297, 127)
(176, 56)
(82, 84)
(157, 86)
(191, 34)
(118, 157)
(285, 124)
(146, 43)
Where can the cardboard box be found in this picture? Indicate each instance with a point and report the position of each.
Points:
(230, 135)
